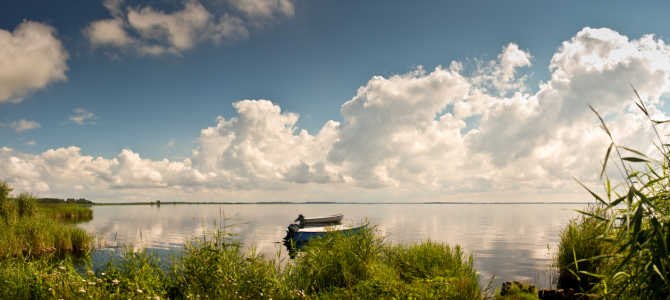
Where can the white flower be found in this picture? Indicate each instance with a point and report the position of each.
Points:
(139, 291)
(82, 291)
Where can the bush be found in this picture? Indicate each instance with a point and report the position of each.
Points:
(578, 241)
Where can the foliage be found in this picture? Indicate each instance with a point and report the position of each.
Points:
(638, 225)
(578, 241)
(25, 229)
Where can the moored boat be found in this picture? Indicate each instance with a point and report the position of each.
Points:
(336, 218)
(295, 233)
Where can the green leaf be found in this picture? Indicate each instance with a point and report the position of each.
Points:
(636, 159)
(592, 193)
(607, 155)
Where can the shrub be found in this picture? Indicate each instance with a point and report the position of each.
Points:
(578, 241)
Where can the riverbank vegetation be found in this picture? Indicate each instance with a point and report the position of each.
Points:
(28, 228)
(620, 249)
(214, 266)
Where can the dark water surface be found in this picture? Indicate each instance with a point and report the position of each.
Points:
(509, 239)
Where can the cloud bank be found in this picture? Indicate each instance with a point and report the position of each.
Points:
(404, 137)
(149, 31)
(31, 57)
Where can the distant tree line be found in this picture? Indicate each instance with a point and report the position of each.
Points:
(61, 201)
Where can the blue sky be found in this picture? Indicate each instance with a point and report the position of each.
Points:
(307, 58)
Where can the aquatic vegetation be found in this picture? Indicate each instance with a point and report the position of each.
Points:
(64, 210)
(636, 231)
(578, 241)
(25, 229)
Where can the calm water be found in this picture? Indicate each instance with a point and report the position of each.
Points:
(511, 240)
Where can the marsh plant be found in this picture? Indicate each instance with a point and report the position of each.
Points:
(633, 225)
(578, 240)
(27, 230)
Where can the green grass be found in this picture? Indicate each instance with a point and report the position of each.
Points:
(215, 266)
(26, 230)
(578, 241)
(64, 210)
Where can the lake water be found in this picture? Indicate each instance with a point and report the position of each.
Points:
(510, 240)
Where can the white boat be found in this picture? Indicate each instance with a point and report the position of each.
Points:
(336, 218)
(297, 234)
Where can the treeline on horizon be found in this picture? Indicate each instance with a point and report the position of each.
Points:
(61, 201)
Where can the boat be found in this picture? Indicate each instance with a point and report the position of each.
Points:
(336, 218)
(296, 233)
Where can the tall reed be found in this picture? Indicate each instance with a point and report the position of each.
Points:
(637, 234)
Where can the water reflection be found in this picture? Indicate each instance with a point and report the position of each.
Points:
(511, 240)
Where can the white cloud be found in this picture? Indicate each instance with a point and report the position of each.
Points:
(150, 31)
(31, 57)
(108, 31)
(81, 115)
(403, 136)
(169, 144)
(31, 143)
(264, 9)
(23, 125)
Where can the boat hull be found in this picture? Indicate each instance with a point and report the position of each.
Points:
(325, 219)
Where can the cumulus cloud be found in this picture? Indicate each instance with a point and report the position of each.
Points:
(150, 31)
(405, 136)
(31, 57)
(81, 115)
(23, 125)
(264, 10)
(31, 143)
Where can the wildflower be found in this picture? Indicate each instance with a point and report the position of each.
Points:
(103, 274)
(139, 291)
(115, 282)
(248, 281)
(62, 268)
(261, 294)
(82, 291)
(91, 283)
(84, 280)
(90, 273)
(99, 280)
(157, 298)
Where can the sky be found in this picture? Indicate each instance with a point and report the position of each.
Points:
(296, 100)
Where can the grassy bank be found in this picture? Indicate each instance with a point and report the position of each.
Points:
(29, 228)
(213, 267)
